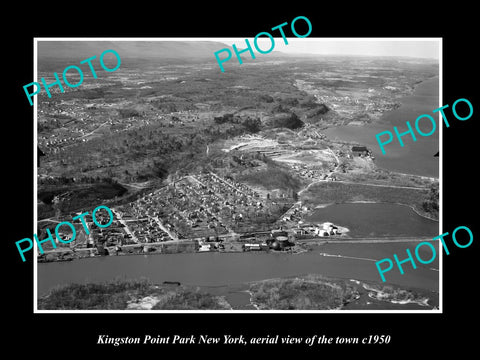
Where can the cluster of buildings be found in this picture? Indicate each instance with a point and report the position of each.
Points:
(64, 115)
(276, 239)
(197, 213)
(194, 207)
(237, 205)
(315, 230)
(53, 143)
(95, 242)
(142, 223)
(79, 119)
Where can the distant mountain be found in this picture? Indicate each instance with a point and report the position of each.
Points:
(74, 51)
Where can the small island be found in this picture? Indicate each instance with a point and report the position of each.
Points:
(309, 292)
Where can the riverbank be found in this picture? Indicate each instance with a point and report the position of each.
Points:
(164, 247)
(251, 242)
(309, 292)
(316, 292)
(224, 274)
(63, 255)
(416, 158)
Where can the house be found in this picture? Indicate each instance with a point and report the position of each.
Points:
(250, 247)
(360, 151)
(204, 247)
(299, 231)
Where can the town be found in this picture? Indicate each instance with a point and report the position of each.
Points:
(192, 161)
(197, 213)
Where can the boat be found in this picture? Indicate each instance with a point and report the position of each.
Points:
(172, 283)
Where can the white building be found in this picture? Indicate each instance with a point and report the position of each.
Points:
(204, 247)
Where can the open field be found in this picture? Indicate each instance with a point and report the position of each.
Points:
(336, 192)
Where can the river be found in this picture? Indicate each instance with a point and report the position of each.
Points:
(216, 269)
(227, 274)
(415, 157)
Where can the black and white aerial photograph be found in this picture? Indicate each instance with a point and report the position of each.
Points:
(218, 179)
(259, 188)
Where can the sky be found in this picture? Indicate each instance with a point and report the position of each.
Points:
(411, 47)
(429, 48)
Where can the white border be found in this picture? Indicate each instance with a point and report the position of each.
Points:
(228, 40)
(440, 175)
(35, 178)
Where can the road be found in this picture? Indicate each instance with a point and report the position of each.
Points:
(323, 240)
(361, 183)
(138, 186)
(126, 228)
(380, 185)
(91, 132)
(193, 178)
(232, 186)
(316, 241)
(76, 141)
(160, 224)
(111, 248)
(336, 159)
(48, 219)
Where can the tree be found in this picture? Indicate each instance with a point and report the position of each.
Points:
(295, 196)
(430, 203)
(252, 125)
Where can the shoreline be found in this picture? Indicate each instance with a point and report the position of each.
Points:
(301, 246)
(322, 206)
(357, 294)
(379, 122)
(400, 102)
(396, 203)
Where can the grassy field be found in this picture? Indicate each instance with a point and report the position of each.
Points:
(273, 177)
(332, 192)
(383, 177)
